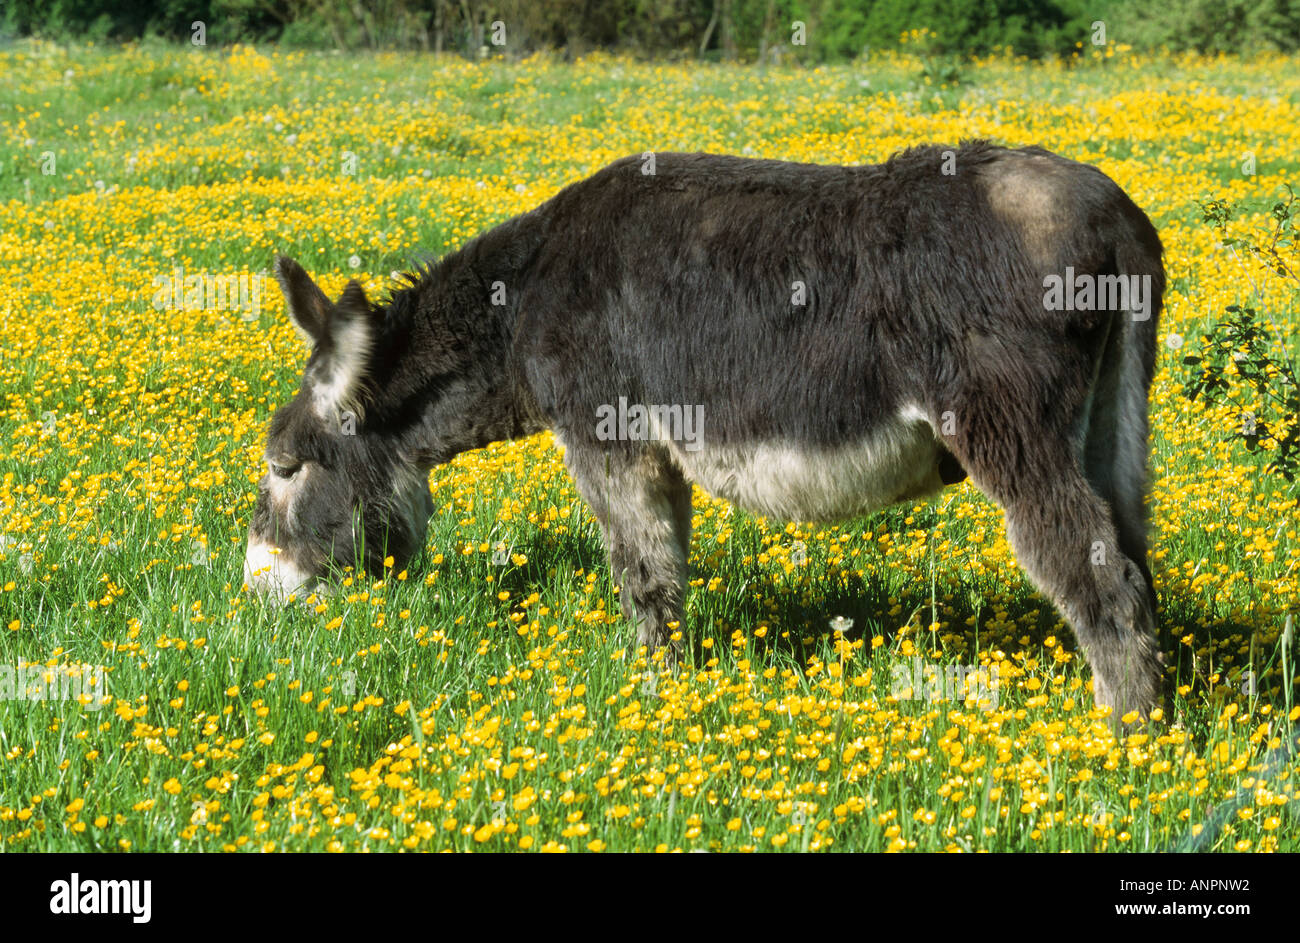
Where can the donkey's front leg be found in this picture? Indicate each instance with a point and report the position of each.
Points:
(642, 503)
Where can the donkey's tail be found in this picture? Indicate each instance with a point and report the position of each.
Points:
(1115, 447)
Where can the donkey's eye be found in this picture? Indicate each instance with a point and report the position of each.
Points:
(284, 471)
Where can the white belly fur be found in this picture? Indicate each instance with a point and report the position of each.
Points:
(897, 462)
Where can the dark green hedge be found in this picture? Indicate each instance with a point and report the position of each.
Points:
(732, 29)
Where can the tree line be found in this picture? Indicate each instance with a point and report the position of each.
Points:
(743, 30)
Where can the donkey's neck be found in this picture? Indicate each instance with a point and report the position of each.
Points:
(444, 383)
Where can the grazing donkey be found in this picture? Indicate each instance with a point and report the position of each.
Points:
(839, 338)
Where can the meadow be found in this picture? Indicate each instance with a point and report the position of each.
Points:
(837, 688)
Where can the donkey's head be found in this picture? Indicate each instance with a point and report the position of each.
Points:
(337, 491)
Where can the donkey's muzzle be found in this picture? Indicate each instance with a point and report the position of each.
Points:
(267, 569)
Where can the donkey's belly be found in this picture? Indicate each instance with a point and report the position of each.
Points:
(895, 462)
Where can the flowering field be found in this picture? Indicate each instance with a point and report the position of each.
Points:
(488, 698)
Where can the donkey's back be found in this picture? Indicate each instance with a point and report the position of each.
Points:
(811, 304)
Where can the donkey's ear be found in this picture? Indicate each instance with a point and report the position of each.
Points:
(342, 352)
(353, 302)
(309, 309)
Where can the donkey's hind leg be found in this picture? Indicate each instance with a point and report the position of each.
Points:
(1067, 543)
(1063, 534)
(642, 504)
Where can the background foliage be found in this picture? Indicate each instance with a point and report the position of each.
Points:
(728, 29)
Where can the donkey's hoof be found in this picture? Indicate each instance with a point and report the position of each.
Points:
(1133, 698)
(667, 655)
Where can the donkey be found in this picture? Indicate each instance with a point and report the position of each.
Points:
(844, 338)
